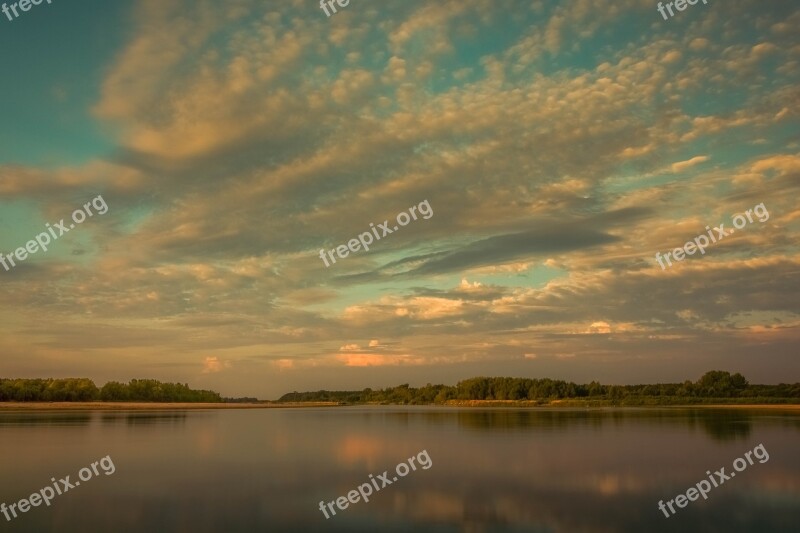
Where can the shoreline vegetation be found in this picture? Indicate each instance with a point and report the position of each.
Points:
(143, 406)
(714, 389)
(511, 404)
(84, 390)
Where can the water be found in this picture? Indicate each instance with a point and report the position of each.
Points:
(492, 469)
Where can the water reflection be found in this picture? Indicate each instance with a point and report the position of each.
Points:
(144, 418)
(719, 424)
(493, 470)
(45, 418)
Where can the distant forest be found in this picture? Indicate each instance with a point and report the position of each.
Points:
(714, 386)
(84, 390)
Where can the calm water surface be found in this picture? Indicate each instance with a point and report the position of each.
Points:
(493, 470)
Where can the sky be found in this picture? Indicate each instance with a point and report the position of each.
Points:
(558, 147)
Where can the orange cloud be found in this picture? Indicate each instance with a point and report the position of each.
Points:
(213, 364)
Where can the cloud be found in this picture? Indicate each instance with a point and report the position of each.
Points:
(373, 359)
(251, 135)
(214, 364)
(514, 246)
(683, 165)
(599, 327)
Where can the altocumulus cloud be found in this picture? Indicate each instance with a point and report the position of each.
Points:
(559, 154)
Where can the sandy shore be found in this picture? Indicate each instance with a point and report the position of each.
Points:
(117, 406)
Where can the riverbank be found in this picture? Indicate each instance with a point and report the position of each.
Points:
(144, 406)
(793, 407)
(555, 404)
(600, 404)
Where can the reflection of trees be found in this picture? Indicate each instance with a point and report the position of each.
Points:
(45, 419)
(720, 425)
(726, 426)
(141, 419)
(522, 420)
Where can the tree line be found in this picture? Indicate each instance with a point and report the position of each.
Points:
(84, 390)
(716, 384)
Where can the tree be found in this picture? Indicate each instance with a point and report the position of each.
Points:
(720, 384)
